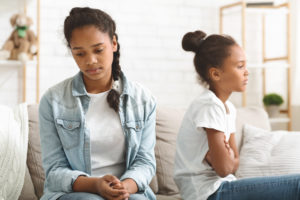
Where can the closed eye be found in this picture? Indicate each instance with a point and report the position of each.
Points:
(79, 54)
(98, 50)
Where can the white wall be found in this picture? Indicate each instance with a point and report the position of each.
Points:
(150, 34)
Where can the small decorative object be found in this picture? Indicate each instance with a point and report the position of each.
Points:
(21, 45)
(272, 102)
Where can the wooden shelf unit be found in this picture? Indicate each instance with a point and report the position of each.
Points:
(266, 60)
(36, 60)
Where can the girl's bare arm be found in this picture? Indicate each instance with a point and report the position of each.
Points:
(222, 156)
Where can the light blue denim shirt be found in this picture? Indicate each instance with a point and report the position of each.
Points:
(65, 138)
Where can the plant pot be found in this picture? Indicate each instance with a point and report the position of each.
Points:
(273, 110)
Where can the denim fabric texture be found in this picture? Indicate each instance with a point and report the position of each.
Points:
(65, 138)
(285, 187)
(89, 196)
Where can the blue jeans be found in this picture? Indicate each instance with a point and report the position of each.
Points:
(266, 188)
(90, 196)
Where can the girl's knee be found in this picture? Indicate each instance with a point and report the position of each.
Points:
(137, 197)
(80, 196)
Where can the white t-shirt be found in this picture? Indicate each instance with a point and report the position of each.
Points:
(194, 176)
(106, 136)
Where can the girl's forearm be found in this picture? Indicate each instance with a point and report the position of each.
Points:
(236, 163)
(228, 164)
(85, 184)
(130, 185)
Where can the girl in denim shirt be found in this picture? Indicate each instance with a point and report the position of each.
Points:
(97, 128)
(206, 154)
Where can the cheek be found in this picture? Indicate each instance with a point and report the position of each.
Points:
(79, 61)
(107, 57)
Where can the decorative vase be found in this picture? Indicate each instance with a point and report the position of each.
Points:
(273, 110)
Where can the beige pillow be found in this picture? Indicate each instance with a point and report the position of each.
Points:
(255, 116)
(168, 122)
(269, 153)
(27, 192)
(34, 158)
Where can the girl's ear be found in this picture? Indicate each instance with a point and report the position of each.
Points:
(115, 44)
(214, 74)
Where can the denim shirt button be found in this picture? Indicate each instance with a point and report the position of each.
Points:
(137, 127)
(70, 126)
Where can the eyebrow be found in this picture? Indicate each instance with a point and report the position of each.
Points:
(241, 61)
(94, 45)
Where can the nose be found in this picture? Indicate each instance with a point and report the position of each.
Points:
(247, 72)
(91, 59)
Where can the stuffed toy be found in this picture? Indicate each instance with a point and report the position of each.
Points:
(21, 45)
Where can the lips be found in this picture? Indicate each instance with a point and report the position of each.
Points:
(94, 70)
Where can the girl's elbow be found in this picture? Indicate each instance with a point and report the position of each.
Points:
(224, 171)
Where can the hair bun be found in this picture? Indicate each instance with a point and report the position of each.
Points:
(191, 41)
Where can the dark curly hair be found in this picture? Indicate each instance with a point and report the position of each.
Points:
(80, 17)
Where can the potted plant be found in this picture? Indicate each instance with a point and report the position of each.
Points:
(272, 102)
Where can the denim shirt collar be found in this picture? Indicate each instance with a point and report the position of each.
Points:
(78, 87)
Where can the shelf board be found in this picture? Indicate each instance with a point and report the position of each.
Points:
(266, 10)
(16, 63)
(260, 3)
(279, 120)
(268, 7)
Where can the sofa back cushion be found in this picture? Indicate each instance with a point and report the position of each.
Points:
(34, 158)
(168, 121)
(28, 191)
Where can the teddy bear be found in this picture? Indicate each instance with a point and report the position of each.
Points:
(21, 45)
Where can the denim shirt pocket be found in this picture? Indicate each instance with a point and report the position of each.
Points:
(69, 132)
(134, 133)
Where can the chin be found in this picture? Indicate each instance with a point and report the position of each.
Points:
(241, 89)
(94, 77)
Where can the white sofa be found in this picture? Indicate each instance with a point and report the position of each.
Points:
(167, 126)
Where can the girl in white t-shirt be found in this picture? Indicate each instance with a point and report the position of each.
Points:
(206, 155)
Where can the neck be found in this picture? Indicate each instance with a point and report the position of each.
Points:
(97, 86)
(223, 95)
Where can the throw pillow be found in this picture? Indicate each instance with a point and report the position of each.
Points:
(267, 153)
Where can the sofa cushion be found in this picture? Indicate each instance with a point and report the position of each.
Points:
(168, 121)
(164, 197)
(34, 159)
(250, 115)
(266, 153)
(27, 192)
(153, 184)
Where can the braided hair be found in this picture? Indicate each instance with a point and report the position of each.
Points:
(80, 17)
